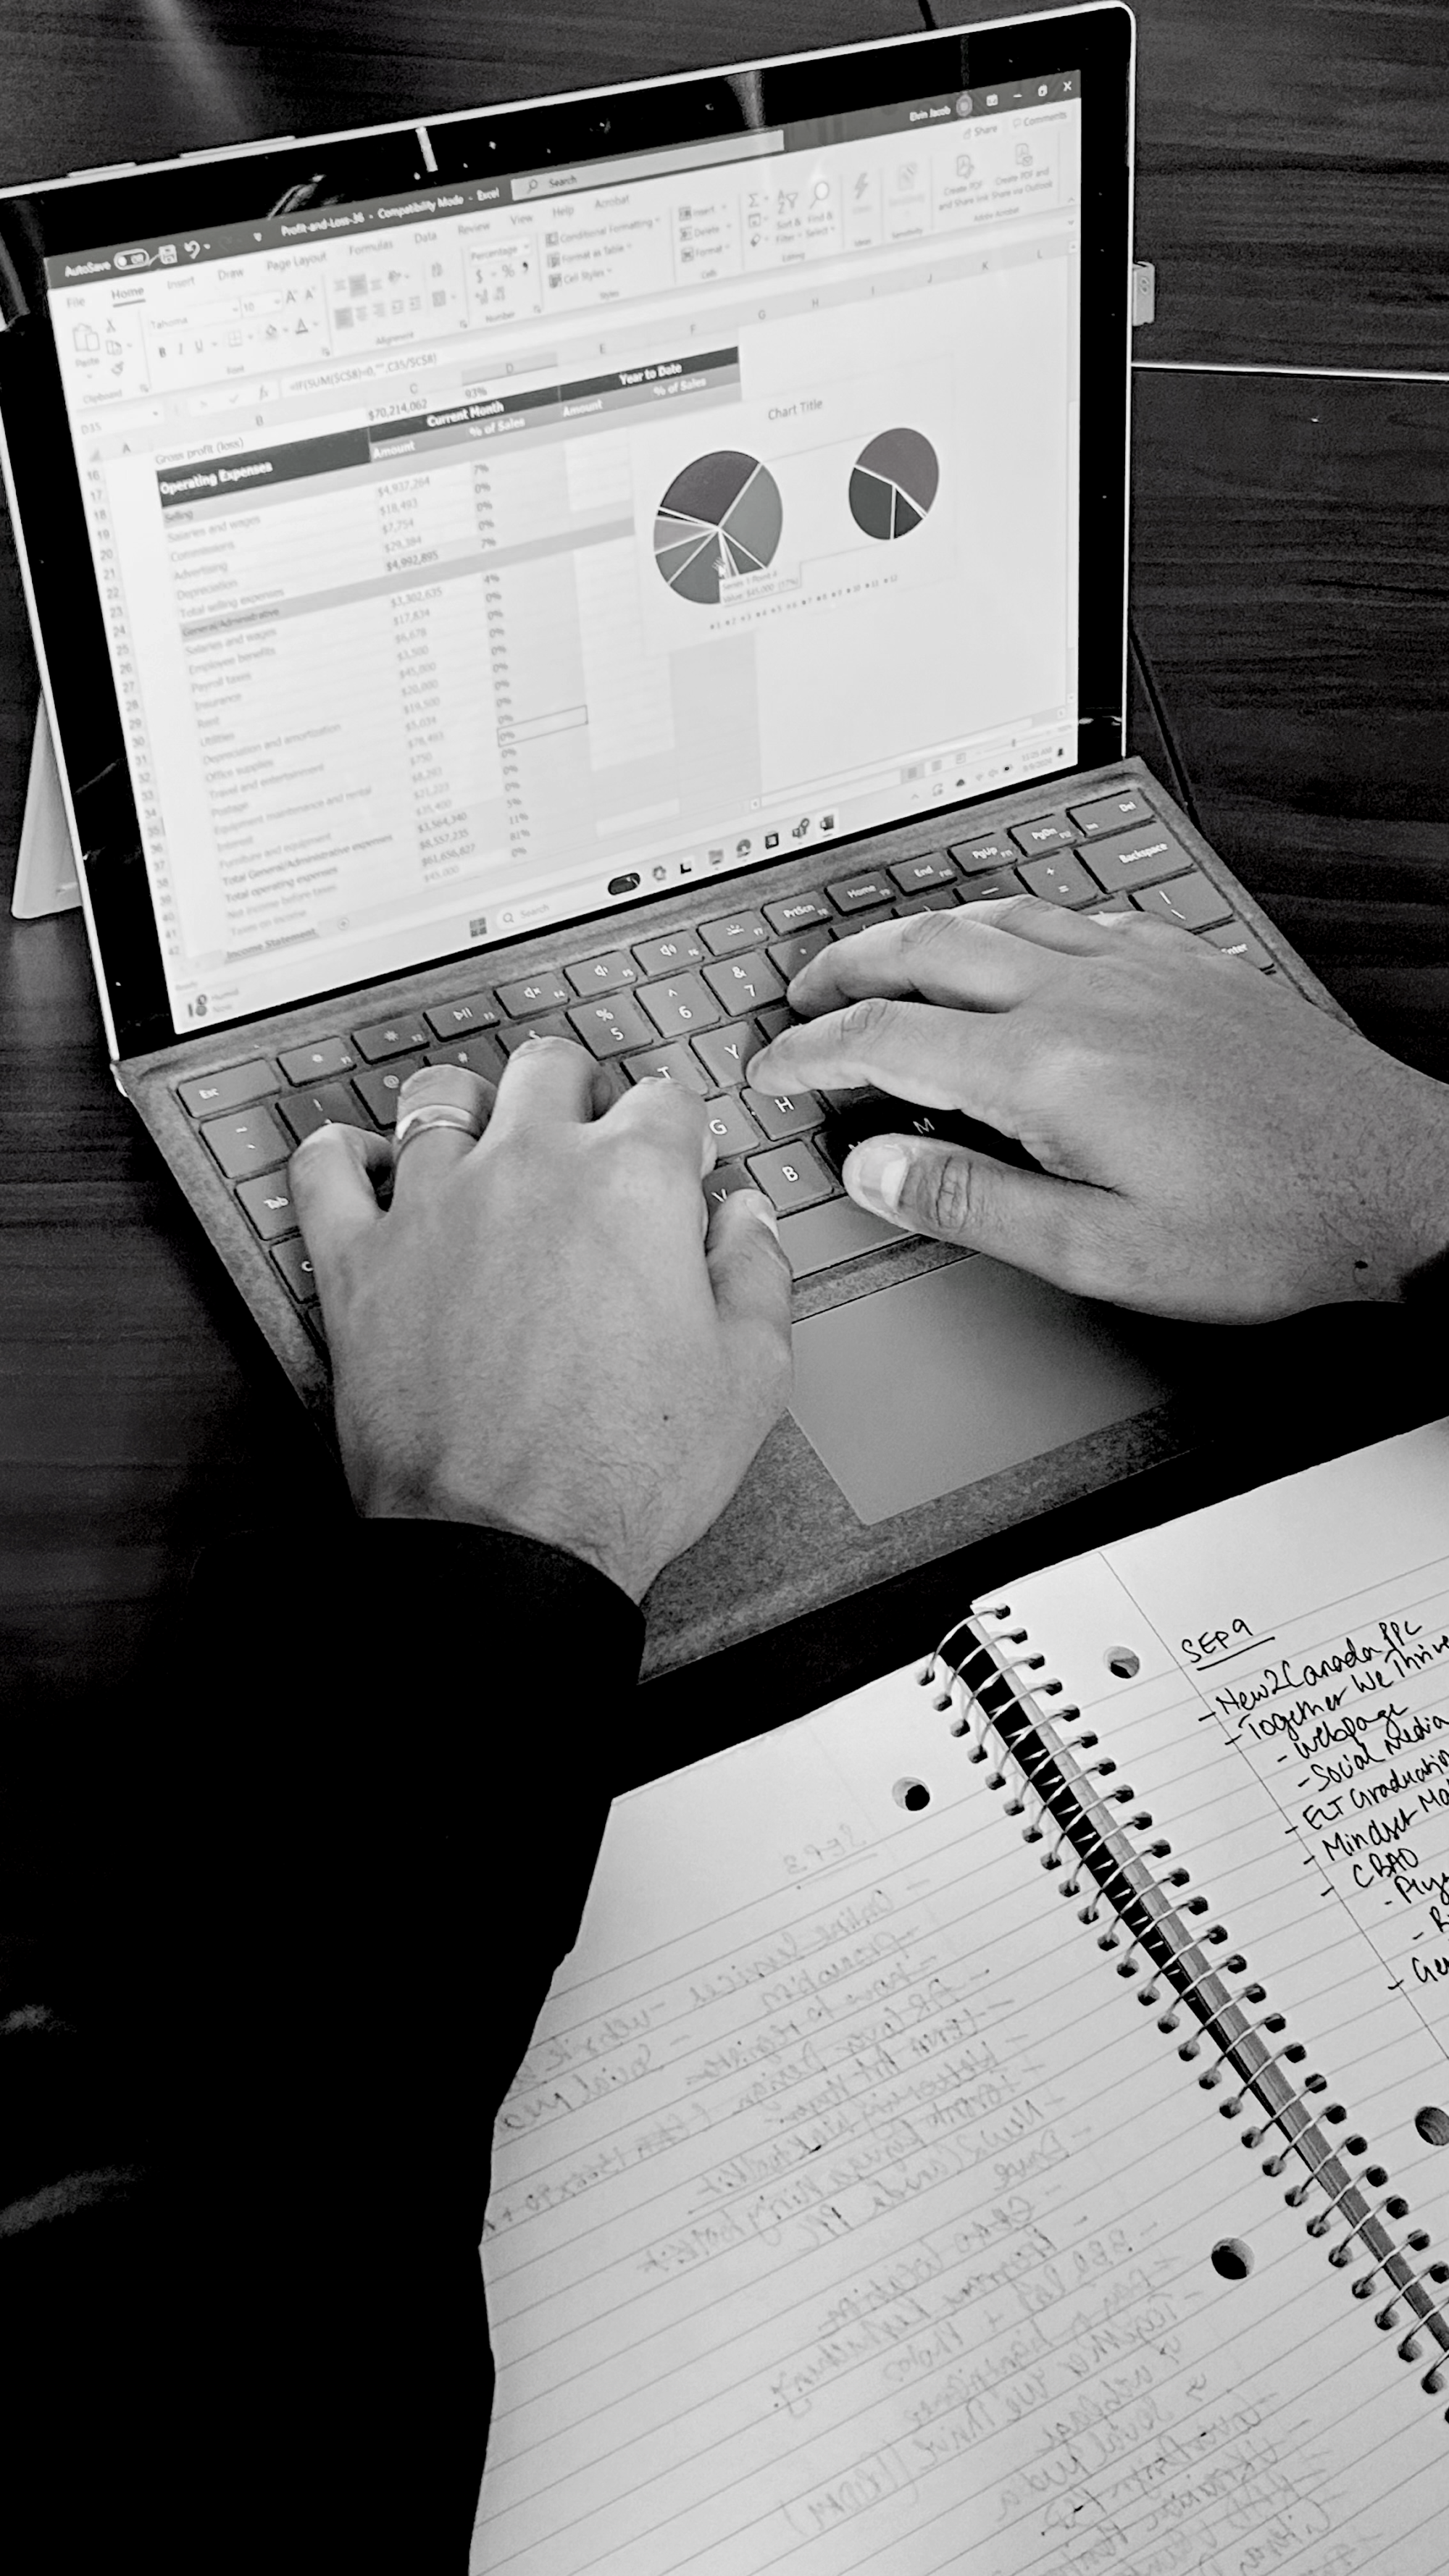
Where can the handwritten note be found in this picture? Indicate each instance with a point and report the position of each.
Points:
(849, 2211)
(1312, 1618)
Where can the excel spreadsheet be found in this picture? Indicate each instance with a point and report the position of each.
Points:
(483, 556)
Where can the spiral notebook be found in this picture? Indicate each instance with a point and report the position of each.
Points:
(1000, 2123)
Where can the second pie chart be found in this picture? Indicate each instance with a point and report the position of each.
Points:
(896, 479)
(719, 518)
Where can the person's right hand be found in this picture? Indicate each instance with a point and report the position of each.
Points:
(1213, 1146)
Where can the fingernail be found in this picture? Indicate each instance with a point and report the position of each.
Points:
(876, 1170)
(761, 1207)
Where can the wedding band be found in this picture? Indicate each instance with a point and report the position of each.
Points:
(434, 1113)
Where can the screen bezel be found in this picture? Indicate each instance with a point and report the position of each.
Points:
(61, 217)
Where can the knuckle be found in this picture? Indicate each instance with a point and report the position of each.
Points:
(870, 1017)
(948, 1194)
(665, 1113)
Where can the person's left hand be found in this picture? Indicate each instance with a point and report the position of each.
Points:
(541, 1332)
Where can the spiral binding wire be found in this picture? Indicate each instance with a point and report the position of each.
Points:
(1033, 1774)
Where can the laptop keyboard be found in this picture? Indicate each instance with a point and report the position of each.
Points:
(692, 1008)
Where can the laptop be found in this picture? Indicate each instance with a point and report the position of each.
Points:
(552, 569)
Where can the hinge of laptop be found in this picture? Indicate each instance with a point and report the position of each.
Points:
(1144, 293)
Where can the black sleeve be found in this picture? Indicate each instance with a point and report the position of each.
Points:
(275, 1951)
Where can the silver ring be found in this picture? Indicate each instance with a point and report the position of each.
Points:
(434, 1113)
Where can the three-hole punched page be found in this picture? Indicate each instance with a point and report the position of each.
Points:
(1000, 2123)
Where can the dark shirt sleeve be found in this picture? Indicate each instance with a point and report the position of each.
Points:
(276, 1950)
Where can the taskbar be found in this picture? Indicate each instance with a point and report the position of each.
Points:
(877, 800)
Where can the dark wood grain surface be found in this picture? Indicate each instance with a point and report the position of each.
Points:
(1290, 585)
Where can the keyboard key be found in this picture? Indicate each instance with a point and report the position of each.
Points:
(724, 1053)
(1137, 858)
(680, 1005)
(992, 850)
(780, 1115)
(295, 1264)
(772, 1019)
(940, 899)
(315, 1063)
(534, 994)
(725, 1179)
(1238, 941)
(793, 1176)
(610, 1028)
(380, 1089)
(744, 983)
(867, 920)
(471, 1011)
(789, 955)
(990, 889)
(1045, 832)
(1111, 813)
(675, 1063)
(669, 956)
(1192, 901)
(553, 1026)
(326, 1103)
(268, 1203)
(877, 1113)
(737, 930)
(603, 974)
(391, 1037)
(730, 1124)
(836, 1231)
(1060, 879)
(796, 911)
(209, 1093)
(480, 1055)
(855, 894)
(248, 1141)
(932, 868)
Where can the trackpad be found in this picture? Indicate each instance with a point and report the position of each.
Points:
(943, 1379)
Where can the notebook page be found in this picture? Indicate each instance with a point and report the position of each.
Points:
(1312, 1618)
(849, 2213)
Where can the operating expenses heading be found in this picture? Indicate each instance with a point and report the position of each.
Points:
(540, 407)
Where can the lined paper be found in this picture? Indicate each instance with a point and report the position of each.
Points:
(849, 2211)
(1312, 1620)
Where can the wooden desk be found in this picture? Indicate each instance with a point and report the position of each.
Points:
(1290, 590)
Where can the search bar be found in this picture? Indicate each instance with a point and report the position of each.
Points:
(647, 165)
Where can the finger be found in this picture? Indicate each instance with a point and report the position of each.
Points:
(1027, 1218)
(982, 957)
(673, 1118)
(421, 1159)
(548, 1080)
(332, 1177)
(749, 1272)
(945, 1059)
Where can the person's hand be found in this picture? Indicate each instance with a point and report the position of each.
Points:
(1213, 1145)
(539, 1332)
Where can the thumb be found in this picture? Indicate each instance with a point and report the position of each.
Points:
(749, 1271)
(332, 1175)
(1027, 1218)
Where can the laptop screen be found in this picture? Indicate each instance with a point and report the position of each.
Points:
(491, 553)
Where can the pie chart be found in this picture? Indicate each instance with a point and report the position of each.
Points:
(894, 482)
(719, 518)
